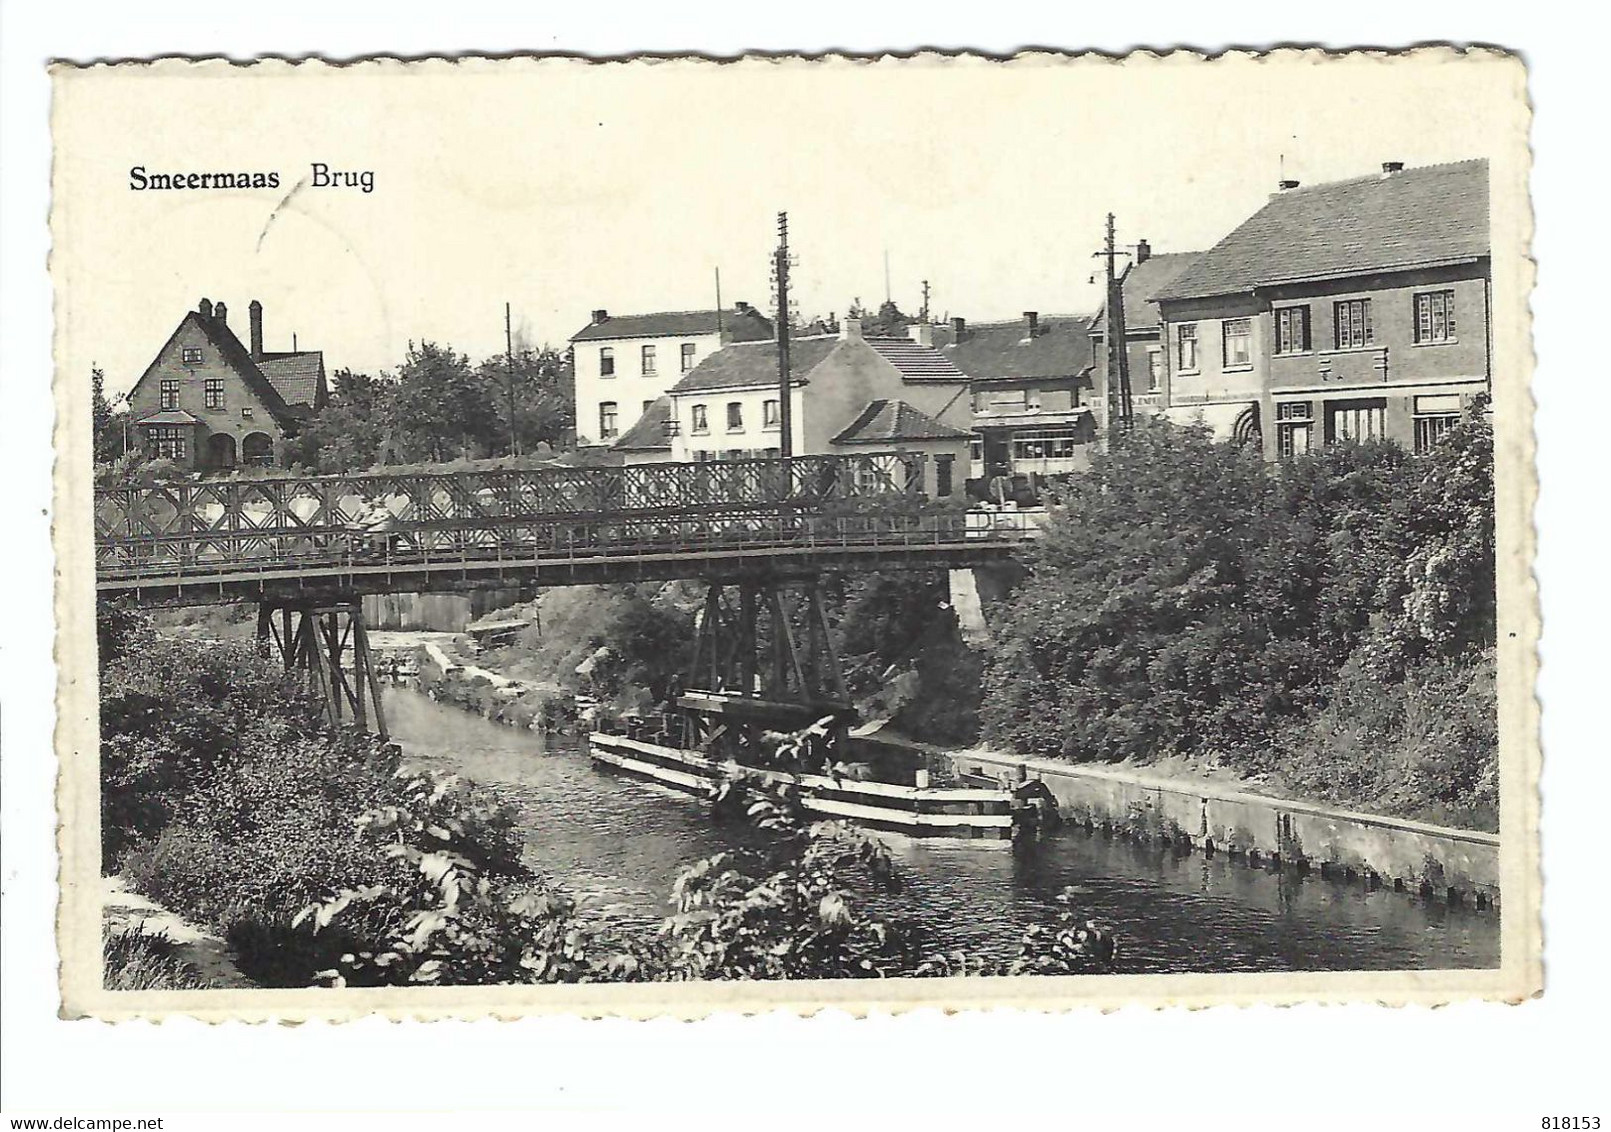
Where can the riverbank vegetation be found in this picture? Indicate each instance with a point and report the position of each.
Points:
(319, 857)
(1327, 622)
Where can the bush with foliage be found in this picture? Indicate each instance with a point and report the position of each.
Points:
(1189, 599)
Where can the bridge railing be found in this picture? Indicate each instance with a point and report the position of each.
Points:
(310, 503)
(528, 541)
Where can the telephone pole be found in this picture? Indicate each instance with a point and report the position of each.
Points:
(1118, 391)
(781, 275)
(509, 368)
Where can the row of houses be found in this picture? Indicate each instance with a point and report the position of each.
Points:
(1352, 309)
(1347, 310)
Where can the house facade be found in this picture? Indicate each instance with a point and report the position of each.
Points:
(209, 403)
(850, 394)
(1351, 310)
(1143, 335)
(1028, 385)
(623, 363)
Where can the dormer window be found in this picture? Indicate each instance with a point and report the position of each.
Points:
(192, 355)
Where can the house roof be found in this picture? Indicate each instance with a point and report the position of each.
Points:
(1141, 282)
(296, 375)
(993, 350)
(753, 363)
(915, 361)
(648, 434)
(748, 325)
(1389, 222)
(169, 417)
(886, 421)
(235, 355)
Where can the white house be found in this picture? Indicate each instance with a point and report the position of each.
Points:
(623, 363)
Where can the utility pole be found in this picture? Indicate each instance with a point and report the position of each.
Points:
(718, 304)
(509, 366)
(780, 267)
(1118, 392)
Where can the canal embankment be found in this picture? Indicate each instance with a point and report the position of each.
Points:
(1453, 865)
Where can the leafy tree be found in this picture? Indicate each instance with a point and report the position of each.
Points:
(442, 409)
(544, 398)
(107, 426)
(349, 432)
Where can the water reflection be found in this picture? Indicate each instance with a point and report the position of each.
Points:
(617, 844)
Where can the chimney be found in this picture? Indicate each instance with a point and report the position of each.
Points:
(921, 333)
(959, 328)
(851, 329)
(205, 309)
(1033, 318)
(1286, 186)
(601, 316)
(221, 313)
(1143, 252)
(255, 311)
(1391, 167)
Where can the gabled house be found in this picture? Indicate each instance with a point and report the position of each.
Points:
(1028, 381)
(1147, 274)
(850, 394)
(209, 403)
(1349, 310)
(623, 363)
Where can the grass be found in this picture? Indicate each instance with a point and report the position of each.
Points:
(135, 960)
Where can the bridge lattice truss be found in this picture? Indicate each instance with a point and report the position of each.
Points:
(242, 539)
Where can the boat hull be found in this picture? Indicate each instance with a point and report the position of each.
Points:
(927, 812)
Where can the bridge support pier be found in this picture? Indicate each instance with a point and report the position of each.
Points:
(329, 645)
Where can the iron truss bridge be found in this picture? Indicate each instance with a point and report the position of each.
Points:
(303, 538)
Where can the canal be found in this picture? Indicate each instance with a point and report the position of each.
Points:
(617, 845)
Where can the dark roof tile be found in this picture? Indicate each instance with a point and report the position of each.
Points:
(753, 363)
(648, 434)
(887, 421)
(1389, 222)
(915, 361)
(297, 376)
(992, 350)
(739, 326)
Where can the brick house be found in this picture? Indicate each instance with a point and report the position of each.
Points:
(1026, 383)
(623, 363)
(1350, 310)
(209, 403)
(851, 395)
(1143, 333)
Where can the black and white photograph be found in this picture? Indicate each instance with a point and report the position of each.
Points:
(654, 536)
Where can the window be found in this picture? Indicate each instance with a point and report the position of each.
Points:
(771, 417)
(1434, 317)
(170, 393)
(1154, 369)
(701, 422)
(607, 418)
(1435, 416)
(1292, 330)
(1294, 427)
(1042, 446)
(246, 412)
(1352, 329)
(648, 360)
(606, 361)
(213, 391)
(1356, 420)
(1186, 347)
(687, 356)
(944, 483)
(1238, 342)
(168, 441)
(735, 416)
(192, 355)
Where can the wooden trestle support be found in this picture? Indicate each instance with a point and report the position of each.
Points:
(317, 640)
(763, 660)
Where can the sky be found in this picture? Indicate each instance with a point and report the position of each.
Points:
(562, 186)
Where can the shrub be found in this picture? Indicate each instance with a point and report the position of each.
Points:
(134, 960)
